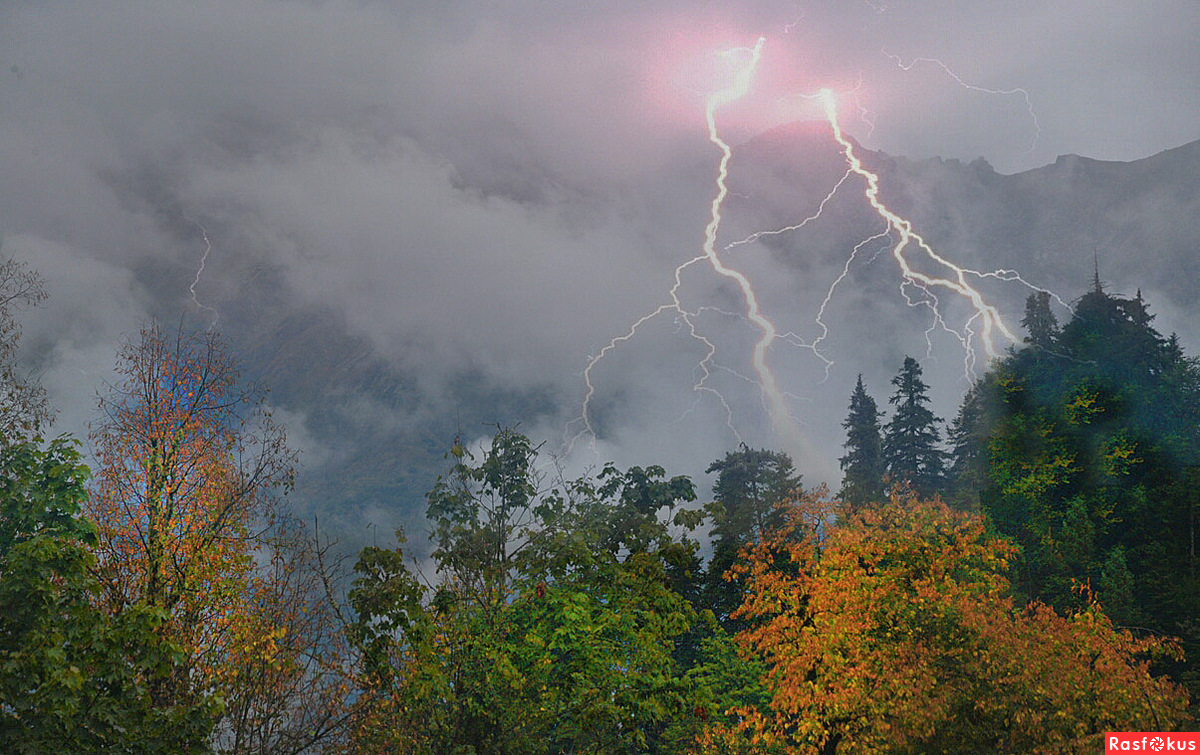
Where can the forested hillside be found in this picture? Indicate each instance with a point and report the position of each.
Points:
(1021, 580)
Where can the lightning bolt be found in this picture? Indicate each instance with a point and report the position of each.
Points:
(773, 397)
(986, 316)
(925, 273)
(918, 288)
(777, 407)
(1023, 93)
(200, 272)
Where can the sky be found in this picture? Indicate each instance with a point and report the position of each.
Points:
(484, 194)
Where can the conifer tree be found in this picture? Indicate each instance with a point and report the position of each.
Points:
(1039, 322)
(1086, 457)
(967, 439)
(751, 484)
(911, 453)
(863, 463)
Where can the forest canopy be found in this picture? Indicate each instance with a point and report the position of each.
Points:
(1020, 580)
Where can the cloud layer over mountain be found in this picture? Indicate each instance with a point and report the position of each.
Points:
(428, 216)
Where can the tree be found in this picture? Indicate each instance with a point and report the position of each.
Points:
(968, 454)
(751, 484)
(1087, 457)
(72, 677)
(551, 626)
(23, 405)
(862, 484)
(1041, 326)
(42, 489)
(896, 632)
(286, 676)
(482, 514)
(910, 442)
(189, 525)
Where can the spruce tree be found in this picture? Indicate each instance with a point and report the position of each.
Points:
(751, 484)
(862, 483)
(911, 452)
(967, 439)
(1039, 322)
(1088, 458)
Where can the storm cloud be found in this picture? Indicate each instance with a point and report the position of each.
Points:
(424, 217)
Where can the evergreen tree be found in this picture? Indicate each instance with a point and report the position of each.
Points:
(968, 447)
(1039, 322)
(751, 484)
(863, 463)
(1087, 458)
(910, 443)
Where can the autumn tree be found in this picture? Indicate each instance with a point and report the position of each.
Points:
(187, 511)
(862, 482)
(74, 678)
(289, 687)
(911, 439)
(896, 632)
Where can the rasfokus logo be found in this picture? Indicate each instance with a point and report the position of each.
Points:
(1152, 741)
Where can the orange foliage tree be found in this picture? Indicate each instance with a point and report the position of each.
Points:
(187, 510)
(895, 632)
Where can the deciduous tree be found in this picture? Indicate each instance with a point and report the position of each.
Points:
(896, 632)
(23, 406)
(74, 678)
(186, 503)
(561, 638)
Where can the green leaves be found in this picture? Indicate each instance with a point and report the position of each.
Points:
(75, 679)
(42, 487)
(554, 622)
(1084, 447)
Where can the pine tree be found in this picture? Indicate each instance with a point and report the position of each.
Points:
(911, 453)
(1087, 458)
(751, 484)
(968, 445)
(1039, 322)
(863, 463)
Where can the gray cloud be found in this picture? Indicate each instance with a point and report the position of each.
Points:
(445, 209)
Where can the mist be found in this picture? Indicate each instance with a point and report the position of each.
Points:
(422, 222)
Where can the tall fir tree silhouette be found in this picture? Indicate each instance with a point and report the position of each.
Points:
(911, 439)
(751, 484)
(1039, 322)
(862, 483)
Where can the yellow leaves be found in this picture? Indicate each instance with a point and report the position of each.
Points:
(1084, 406)
(188, 467)
(900, 623)
(1119, 456)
